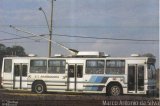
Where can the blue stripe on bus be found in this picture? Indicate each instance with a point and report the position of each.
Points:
(96, 79)
(99, 79)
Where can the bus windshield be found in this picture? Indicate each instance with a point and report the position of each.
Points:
(151, 71)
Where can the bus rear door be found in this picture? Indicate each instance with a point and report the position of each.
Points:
(136, 79)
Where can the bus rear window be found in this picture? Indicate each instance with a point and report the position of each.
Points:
(7, 65)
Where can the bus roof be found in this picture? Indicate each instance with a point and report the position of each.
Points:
(79, 57)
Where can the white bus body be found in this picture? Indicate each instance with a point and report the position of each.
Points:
(112, 75)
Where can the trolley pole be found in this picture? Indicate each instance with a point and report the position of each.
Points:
(50, 32)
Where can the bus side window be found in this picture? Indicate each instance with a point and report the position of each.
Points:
(17, 70)
(7, 65)
(38, 66)
(24, 71)
(79, 71)
(71, 71)
(115, 67)
(95, 67)
(56, 66)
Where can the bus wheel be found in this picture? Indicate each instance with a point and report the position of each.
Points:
(39, 87)
(115, 90)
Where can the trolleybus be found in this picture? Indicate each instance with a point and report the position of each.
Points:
(87, 72)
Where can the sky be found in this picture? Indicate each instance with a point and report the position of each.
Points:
(121, 19)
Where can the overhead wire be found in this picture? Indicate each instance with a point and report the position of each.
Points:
(15, 38)
(84, 37)
(88, 37)
(68, 42)
(65, 26)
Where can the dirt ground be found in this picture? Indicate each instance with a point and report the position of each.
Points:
(26, 98)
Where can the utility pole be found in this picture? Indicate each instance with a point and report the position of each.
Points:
(50, 32)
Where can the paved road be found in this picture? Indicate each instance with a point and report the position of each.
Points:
(25, 98)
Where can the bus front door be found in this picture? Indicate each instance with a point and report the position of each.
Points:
(20, 76)
(75, 77)
(136, 79)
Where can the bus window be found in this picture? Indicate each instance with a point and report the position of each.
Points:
(115, 67)
(7, 65)
(71, 71)
(95, 66)
(151, 71)
(17, 70)
(131, 77)
(140, 78)
(38, 66)
(79, 71)
(24, 71)
(56, 66)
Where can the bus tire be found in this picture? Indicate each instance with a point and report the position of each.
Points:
(115, 90)
(39, 87)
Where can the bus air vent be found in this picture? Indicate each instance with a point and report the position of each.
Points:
(135, 55)
(58, 55)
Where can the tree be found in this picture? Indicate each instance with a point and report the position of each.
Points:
(148, 55)
(2, 53)
(18, 51)
(2, 49)
(10, 51)
(15, 51)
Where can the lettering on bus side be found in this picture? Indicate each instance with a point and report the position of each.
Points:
(44, 76)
